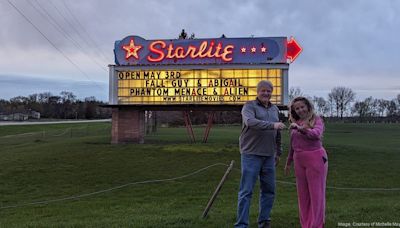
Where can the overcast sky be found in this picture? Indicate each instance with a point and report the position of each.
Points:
(345, 42)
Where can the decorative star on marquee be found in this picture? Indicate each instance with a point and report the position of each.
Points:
(253, 50)
(263, 49)
(132, 49)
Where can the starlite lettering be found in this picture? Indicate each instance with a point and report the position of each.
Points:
(160, 51)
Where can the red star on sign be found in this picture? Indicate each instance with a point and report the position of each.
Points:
(131, 49)
(243, 49)
(253, 50)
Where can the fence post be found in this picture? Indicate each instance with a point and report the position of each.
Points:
(217, 190)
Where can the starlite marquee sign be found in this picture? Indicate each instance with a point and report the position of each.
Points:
(221, 71)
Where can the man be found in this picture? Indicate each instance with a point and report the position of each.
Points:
(260, 148)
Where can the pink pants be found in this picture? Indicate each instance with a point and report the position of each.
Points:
(311, 169)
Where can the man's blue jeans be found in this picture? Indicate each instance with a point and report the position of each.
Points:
(254, 166)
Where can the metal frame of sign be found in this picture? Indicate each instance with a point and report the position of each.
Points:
(113, 85)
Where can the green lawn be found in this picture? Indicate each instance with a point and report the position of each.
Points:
(57, 161)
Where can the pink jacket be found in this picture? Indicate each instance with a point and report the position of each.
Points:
(306, 140)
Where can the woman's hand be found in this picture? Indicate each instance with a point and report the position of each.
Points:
(297, 127)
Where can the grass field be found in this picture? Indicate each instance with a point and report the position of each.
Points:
(50, 162)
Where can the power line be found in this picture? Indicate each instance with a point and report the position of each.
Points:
(60, 29)
(71, 25)
(170, 179)
(53, 21)
(114, 188)
(52, 44)
(83, 28)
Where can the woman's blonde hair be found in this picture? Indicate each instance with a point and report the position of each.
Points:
(310, 119)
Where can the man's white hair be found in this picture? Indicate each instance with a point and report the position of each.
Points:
(264, 83)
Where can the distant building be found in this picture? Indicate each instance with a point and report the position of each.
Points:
(35, 115)
(5, 117)
(19, 116)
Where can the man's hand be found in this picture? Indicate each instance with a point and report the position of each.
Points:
(277, 159)
(279, 126)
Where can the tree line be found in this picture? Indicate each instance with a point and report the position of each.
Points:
(63, 106)
(341, 103)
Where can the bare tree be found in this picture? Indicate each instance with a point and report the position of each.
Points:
(295, 92)
(321, 105)
(18, 103)
(330, 105)
(364, 108)
(397, 100)
(68, 100)
(4, 106)
(90, 107)
(382, 106)
(182, 35)
(341, 98)
(44, 97)
(392, 108)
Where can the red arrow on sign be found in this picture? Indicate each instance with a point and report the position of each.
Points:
(293, 49)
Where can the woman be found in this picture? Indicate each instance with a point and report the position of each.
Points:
(310, 162)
